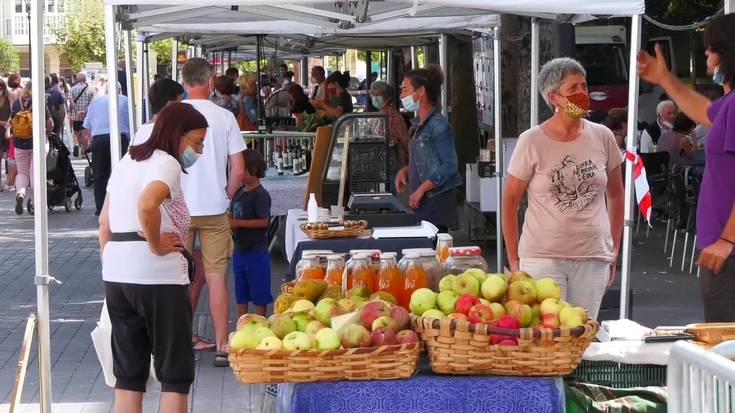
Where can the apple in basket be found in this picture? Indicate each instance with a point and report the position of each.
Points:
(480, 313)
(466, 283)
(407, 337)
(251, 320)
(446, 301)
(383, 336)
(314, 327)
(385, 321)
(298, 341)
(282, 324)
(465, 302)
(494, 287)
(327, 339)
(457, 316)
(547, 288)
(270, 343)
(509, 322)
(372, 311)
(422, 300)
(355, 335)
(250, 337)
(401, 316)
(447, 283)
(325, 309)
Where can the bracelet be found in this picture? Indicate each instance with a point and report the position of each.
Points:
(728, 241)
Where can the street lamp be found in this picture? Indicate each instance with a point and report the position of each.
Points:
(28, 13)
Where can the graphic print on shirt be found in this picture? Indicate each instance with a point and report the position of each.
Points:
(572, 183)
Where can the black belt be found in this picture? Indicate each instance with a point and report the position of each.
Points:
(134, 236)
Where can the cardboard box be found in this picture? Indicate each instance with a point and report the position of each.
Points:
(488, 195)
(472, 183)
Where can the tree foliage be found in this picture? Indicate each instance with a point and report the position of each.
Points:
(9, 61)
(682, 11)
(163, 50)
(82, 32)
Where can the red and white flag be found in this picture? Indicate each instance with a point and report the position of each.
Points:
(642, 192)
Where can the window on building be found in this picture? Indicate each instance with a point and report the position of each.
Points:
(51, 6)
(19, 6)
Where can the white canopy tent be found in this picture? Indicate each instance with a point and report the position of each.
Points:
(317, 19)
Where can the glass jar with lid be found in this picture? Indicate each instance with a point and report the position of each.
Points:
(443, 244)
(390, 278)
(432, 267)
(320, 254)
(335, 268)
(373, 256)
(414, 277)
(310, 269)
(404, 259)
(361, 273)
(463, 258)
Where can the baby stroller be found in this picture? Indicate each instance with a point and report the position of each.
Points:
(61, 182)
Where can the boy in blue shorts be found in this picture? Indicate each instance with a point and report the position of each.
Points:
(250, 211)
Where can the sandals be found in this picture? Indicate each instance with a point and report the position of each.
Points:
(220, 359)
(202, 344)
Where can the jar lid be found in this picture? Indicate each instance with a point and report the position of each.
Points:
(362, 256)
(387, 255)
(316, 252)
(369, 252)
(334, 257)
(409, 250)
(413, 255)
(465, 251)
(444, 237)
(427, 252)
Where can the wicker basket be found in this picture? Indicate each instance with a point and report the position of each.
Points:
(321, 231)
(367, 363)
(712, 333)
(459, 347)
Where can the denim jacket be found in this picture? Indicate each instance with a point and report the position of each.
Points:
(432, 153)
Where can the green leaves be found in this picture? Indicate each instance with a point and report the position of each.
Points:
(8, 57)
(82, 32)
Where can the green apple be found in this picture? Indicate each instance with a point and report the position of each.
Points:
(563, 304)
(327, 339)
(572, 316)
(522, 291)
(518, 276)
(314, 326)
(477, 273)
(270, 343)
(301, 320)
(433, 313)
(297, 340)
(447, 283)
(522, 313)
(283, 324)
(251, 320)
(484, 301)
(325, 309)
(547, 288)
(355, 335)
(494, 288)
(346, 305)
(446, 300)
(550, 306)
(302, 305)
(384, 321)
(363, 292)
(466, 284)
(422, 300)
(250, 337)
(498, 309)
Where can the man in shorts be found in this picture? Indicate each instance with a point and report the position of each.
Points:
(207, 188)
(80, 96)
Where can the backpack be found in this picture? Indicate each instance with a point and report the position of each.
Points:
(242, 118)
(22, 123)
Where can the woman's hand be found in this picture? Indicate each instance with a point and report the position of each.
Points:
(415, 199)
(168, 242)
(714, 256)
(613, 272)
(402, 180)
(514, 264)
(652, 69)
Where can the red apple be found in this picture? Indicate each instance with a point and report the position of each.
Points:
(499, 338)
(458, 316)
(407, 337)
(465, 302)
(383, 336)
(372, 311)
(354, 336)
(401, 316)
(511, 341)
(480, 313)
(508, 321)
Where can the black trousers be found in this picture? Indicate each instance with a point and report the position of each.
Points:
(718, 293)
(102, 165)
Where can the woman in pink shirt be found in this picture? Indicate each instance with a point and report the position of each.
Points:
(570, 169)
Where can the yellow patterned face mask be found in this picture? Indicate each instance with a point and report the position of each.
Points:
(577, 105)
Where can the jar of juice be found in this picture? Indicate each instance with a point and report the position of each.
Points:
(404, 257)
(413, 278)
(432, 267)
(311, 270)
(350, 264)
(362, 272)
(320, 254)
(335, 268)
(463, 258)
(390, 278)
(443, 244)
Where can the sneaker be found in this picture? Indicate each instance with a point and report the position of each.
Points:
(76, 151)
(11, 188)
(19, 205)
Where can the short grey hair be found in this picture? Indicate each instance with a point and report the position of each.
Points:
(553, 73)
(196, 72)
(380, 88)
(81, 77)
(662, 105)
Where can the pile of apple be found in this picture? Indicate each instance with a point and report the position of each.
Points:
(306, 326)
(506, 301)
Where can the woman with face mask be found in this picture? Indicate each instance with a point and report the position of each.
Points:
(339, 100)
(143, 228)
(382, 96)
(431, 175)
(716, 205)
(570, 169)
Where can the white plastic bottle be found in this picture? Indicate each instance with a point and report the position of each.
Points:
(312, 209)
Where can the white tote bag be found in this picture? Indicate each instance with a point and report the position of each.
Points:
(102, 340)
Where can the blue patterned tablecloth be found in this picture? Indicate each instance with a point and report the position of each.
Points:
(426, 394)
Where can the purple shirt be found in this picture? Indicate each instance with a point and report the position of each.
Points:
(717, 194)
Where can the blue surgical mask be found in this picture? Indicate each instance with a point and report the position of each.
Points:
(188, 158)
(409, 103)
(378, 102)
(186, 94)
(718, 77)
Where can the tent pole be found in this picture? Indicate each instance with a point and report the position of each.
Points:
(534, 71)
(635, 44)
(413, 57)
(132, 105)
(174, 56)
(390, 67)
(498, 144)
(40, 218)
(112, 106)
(729, 6)
(443, 62)
(305, 71)
(139, 90)
(145, 80)
(258, 57)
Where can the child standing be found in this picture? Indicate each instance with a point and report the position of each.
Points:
(250, 213)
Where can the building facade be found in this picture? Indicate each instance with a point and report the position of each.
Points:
(15, 21)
